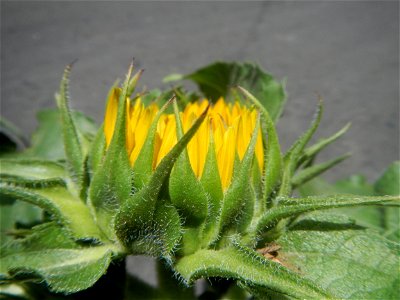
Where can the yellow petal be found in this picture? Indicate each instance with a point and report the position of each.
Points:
(111, 114)
(168, 138)
(226, 157)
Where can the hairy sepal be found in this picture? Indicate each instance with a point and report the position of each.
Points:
(211, 182)
(293, 156)
(311, 152)
(112, 182)
(291, 207)
(186, 192)
(72, 144)
(97, 152)
(137, 213)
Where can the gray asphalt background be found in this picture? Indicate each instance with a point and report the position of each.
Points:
(346, 51)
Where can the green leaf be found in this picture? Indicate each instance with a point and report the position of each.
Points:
(66, 209)
(44, 236)
(345, 259)
(248, 267)
(47, 254)
(14, 215)
(216, 80)
(31, 172)
(32, 168)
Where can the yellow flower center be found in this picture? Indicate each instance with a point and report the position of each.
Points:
(231, 127)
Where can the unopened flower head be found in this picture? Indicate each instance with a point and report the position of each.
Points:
(228, 128)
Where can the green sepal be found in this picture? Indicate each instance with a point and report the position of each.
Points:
(72, 143)
(168, 230)
(65, 208)
(273, 161)
(97, 151)
(137, 212)
(161, 236)
(48, 254)
(257, 184)
(211, 182)
(315, 170)
(248, 210)
(250, 268)
(237, 195)
(185, 190)
(133, 81)
(143, 167)
(112, 182)
(310, 152)
(290, 207)
(293, 156)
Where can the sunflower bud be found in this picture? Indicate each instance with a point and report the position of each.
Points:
(208, 181)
